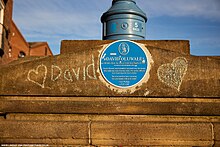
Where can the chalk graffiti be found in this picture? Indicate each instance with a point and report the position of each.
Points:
(68, 76)
(53, 76)
(76, 73)
(93, 76)
(39, 75)
(172, 74)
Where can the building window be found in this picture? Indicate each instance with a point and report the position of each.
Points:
(21, 54)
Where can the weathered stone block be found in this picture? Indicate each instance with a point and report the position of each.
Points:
(217, 132)
(110, 105)
(217, 144)
(43, 132)
(108, 130)
(126, 133)
(78, 74)
(79, 46)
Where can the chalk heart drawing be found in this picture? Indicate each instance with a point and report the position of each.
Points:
(172, 74)
(38, 75)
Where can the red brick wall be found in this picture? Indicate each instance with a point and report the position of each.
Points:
(18, 43)
(42, 50)
(14, 42)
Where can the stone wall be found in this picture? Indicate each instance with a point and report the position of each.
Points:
(64, 100)
(78, 74)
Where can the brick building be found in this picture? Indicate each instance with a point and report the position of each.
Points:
(39, 49)
(6, 19)
(13, 43)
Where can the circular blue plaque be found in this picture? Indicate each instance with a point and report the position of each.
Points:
(123, 64)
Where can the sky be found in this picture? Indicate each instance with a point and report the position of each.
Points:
(56, 20)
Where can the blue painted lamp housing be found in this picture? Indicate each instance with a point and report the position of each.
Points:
(124, 20)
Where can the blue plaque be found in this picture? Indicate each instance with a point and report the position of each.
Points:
(123, 64)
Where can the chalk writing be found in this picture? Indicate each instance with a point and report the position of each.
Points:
(68, 76)
(38, 76)
(172, 74)
(93, 76)
(84, 73)
(76, 74)
(55, 77)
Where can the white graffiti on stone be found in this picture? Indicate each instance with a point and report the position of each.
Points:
(76, 73)
(38, 76)
(53, 76)
(172, 74)
(93, 76)
(68, 75)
